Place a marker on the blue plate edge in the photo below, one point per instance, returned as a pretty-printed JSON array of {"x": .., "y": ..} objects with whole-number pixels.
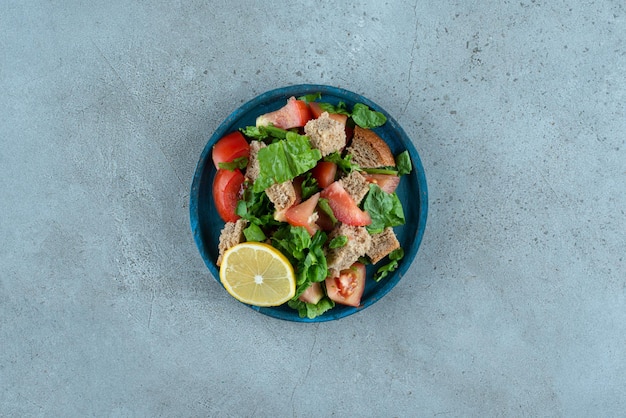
[{"x": 302, "y": 89}]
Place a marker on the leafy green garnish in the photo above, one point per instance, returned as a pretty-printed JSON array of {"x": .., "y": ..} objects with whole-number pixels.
[
  {"x": 343, "y": 163},
  {"x": 253, "y": 232},
  {"x": 385, "y": 170},
  {"x": 309, "y": 186},
  {"x": 310, "y": 97},
  {"x": 395, "y": 256},
  {"x": 262, "y": 133},
  {"x": 340, "y": 108},
  {"x": 314, "y": 267},
  {"x": 305, "y": 253},
  {"x": 292, "y": 241},
  {"x": 338, "y": 242},
  {"x": 309, "y": 310},
  {"x": 238, "y": 163},
  {"x": 403, "y": 163},
  {"x": 256, "y": 207},
  {"x": 384, "y": 208},
  {"x": 284, "y": 160},
  {"x": 325, "y": 207},
  {"x": 367, "y": 118}
]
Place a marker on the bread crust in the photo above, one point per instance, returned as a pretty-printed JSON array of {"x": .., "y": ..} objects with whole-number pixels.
[
  {"x": 359, "y": 241},
  {"x": 369, "y": 150},
  {"x": 382, "y": 244},
  {"x": 231, "y": 235}
]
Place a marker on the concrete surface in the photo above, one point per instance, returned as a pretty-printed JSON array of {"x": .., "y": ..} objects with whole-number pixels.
[{"x": 514, "y": 306}]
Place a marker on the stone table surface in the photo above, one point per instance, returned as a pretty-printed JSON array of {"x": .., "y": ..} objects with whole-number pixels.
[{"x": 515, "y": 304}]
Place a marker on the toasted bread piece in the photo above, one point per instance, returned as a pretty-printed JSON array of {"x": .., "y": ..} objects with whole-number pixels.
[
  {"x": 231, "y": 235},
  {"x": 382, "y": 244},
  {"x": 359, "y": 242},
  {"x": 253, "y": 169},
  {"x": 326, "y": 134},
  {"x": 282, "y": 195},
  {"x": 356, "y": 186},
  {"x": 369, "y": 150}
]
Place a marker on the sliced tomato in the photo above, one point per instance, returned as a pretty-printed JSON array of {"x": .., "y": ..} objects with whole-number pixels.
[
  {"x": 324, "y": 172},
  {"x": 294, "y": 114},
  {"x": 226, "y": 190},
  {"x": 348, "y": 287},
  {"x": 230, "y": 147},
  {"x": 313, "y": 294},
  {"x": 387, "y": 182},
  {"x": 300, "y": 215},
  {"x": 344, "y": 207},
  {"x": 316, "y": 112}
]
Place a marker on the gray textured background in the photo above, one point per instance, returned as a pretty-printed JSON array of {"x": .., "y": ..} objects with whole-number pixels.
[{"x": 515, "y": 304}]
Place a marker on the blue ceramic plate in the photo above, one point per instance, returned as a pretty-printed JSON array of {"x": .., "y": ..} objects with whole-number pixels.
[{"x": 206, "y": 224}]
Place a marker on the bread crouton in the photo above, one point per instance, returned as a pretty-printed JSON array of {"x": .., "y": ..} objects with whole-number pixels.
[
  {"x": 382, "y": 244},
  {"x": 326, "y": 134},
  {"x": 231, "y": 235},
  {"x": 359, "y": 241},
  {"x": 369, "y": 150},
  {"x": 253, "y": 169},
  {"x": 356, "y": 186},
  {"x": 283, "y": 196}
]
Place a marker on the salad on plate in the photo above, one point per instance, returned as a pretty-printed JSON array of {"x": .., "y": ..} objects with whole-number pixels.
[{"x": 313, "y": 185}]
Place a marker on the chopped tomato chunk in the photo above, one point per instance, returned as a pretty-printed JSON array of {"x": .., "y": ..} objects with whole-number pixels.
[
  {"x": 302, "y": 214},
  {"x": 387, "y": 182},
  {"x": 229, "y": 148},
  {"x": 344, "y": 207},
  {"x": 294, "y": 114},
  {"x": 348, "y": 287},
  {"x": 324, "y": 172},
  {"x": 226, "y": 190}
]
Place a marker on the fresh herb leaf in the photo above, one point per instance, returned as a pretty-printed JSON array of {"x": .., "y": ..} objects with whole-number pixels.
[
  {"x": 386, "y": 170},
  {"x": 384, "y": 208},
  {"x": 340, "y": 108},
  {"x": 310, "y": 97},
  {"x": 292, "y": 241},
  {"x": 309, "y": 186},
  {"x": 338, "y": 242},
  {"x": 305, "y": 253},
  {"x": 325, "y": 207},
  {"x": 367, "y": 118},
  {"x": 343, "y": 163},
  {"x": 395, "y": 256},
  {"x": 284, "y": 160},
  {"x": 238, "y": 163},
  {"x": 309, "y": 310},
  {"x": 314, "y": 267},
  {"x": 256, "y": 207},
  {"x": 262, "y": 133},
  {"x": 254, "y": 233},
  {"x": 403, "y": 162}
]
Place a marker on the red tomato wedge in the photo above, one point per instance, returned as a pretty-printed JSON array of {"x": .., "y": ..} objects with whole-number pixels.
[
  {"x": 226, "y": 188},
  {"x": 387, "y": 182},
  {"x": 312, "y": 294},
  {"x": 230, "y": 147},
  {"x": 316, "y": 112},
  {"x": 294, "y": 114},
  {"x": 343, "y": 206},
  {"x": 300, "y": 215},
  {"x": 348, "y": 287},
  {"x": 324, "y": 172}
]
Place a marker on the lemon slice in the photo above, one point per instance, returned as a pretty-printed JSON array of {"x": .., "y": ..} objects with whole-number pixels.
[{"x": 257, "y": 274}]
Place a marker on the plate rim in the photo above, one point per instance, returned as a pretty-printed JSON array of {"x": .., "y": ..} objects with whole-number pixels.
[{"x": 299, "y": 90}]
